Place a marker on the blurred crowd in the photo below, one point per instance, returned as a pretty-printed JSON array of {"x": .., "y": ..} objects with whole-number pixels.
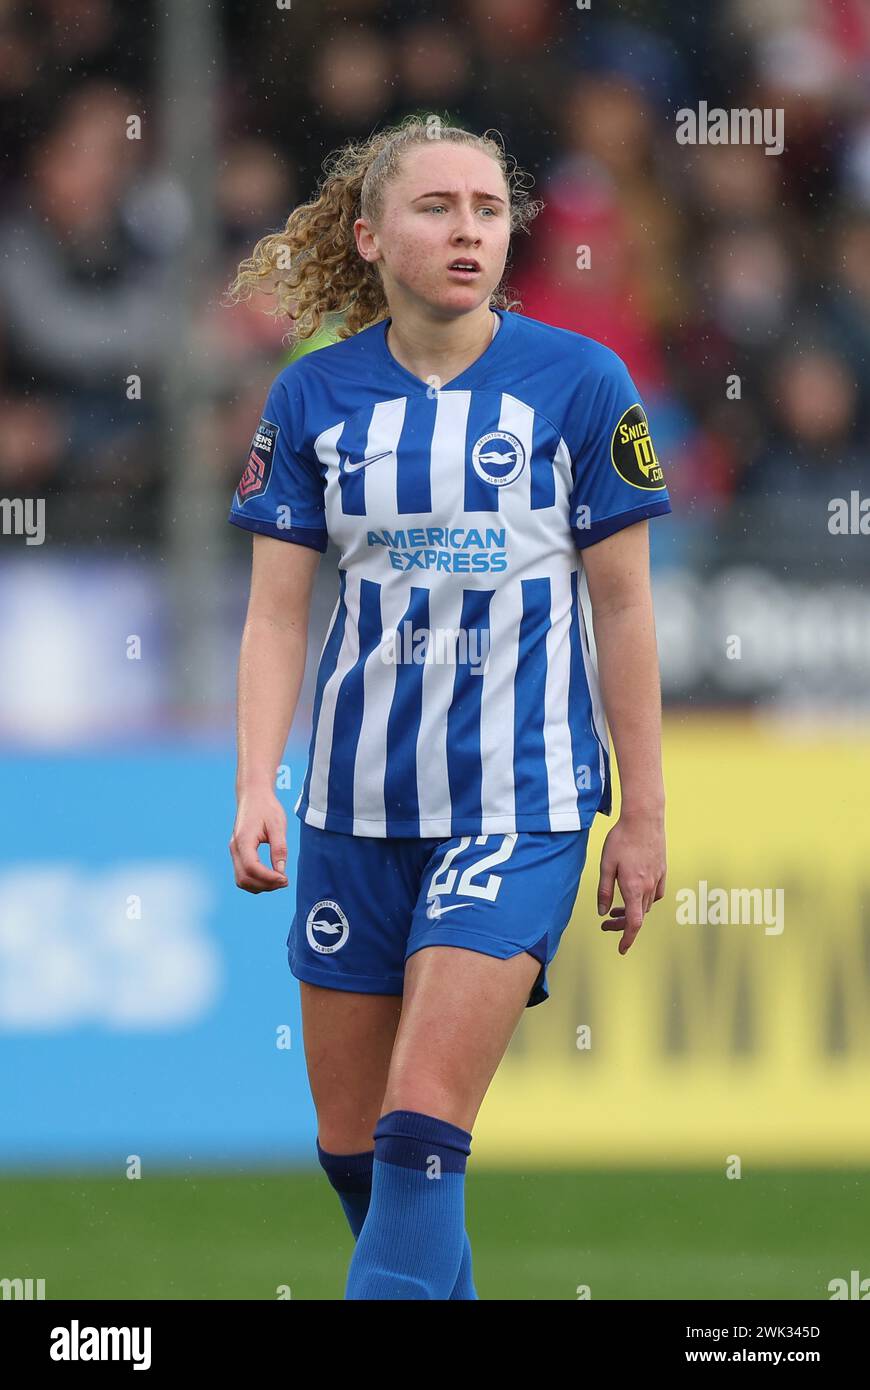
[{"x": 734, "y": 283}]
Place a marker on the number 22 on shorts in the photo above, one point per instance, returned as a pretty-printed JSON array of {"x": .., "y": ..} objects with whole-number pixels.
[{"x": 444, "y": 876}]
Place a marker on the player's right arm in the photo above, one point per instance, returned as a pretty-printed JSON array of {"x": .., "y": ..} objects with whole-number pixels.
[
  {"x": 271, "y": 667},
  {"x": 280, "y": 499}
]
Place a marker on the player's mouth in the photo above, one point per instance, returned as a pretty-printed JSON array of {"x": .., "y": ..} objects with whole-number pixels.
[{"x": 465, "y": 267}]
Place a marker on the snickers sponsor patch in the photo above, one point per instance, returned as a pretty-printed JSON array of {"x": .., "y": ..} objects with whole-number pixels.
[{"x": 633, "y": 454}]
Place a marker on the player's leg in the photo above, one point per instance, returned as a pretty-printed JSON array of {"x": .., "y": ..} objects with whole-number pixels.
[
  {"x": 350, "y": 966},
  {"x": 460, "y": 1011},
  {"x": 501, "y": 903},
  {"x": 348, "y": 1040},
  {"x": 461, "y": 1006},
  {"x": 355, "y": 898}
]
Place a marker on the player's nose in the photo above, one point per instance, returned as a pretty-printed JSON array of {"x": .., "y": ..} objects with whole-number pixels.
[{"x": 466, "y": 229}]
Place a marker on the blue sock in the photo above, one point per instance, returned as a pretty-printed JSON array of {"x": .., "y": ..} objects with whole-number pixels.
[
  {"x": 412, "y": 1241},
  {"x": 351, "y": 1176}
]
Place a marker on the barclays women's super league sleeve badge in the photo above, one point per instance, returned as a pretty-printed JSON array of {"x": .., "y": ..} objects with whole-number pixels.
[{"x": 258, "y": 469}]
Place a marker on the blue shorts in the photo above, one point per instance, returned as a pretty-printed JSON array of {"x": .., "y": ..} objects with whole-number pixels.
[{"x": 364, "y": 904}]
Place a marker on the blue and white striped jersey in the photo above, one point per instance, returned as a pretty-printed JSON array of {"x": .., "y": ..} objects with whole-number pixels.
[{"x": 455, "y": 692}]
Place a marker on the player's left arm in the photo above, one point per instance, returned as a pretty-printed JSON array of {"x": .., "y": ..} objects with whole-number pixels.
[{"x": 633, "y": 856}]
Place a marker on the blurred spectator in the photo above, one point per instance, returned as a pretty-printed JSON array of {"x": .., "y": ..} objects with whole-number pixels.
[
  {"x": 73, "y": 281},
  {"x": 704, "y": 261},
  {"x": 814, "y": 453},
  {"x": 608, "y": 120},
  {"x": 849, "y": 303},
  {"x": 80, "y": 303},
  {"x": 582, "y": 272}
]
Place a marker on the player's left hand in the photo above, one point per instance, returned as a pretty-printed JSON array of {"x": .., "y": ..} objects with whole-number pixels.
[{"x": 633, "y": 857}]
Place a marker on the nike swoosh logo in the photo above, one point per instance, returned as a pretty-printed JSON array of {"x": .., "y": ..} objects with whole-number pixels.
[
  {"x": 441, "y": 910},
  {"x": 364, "y": 463}
]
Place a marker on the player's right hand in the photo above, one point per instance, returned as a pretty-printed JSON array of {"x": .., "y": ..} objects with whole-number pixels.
[{"x": 260, "y": 820}]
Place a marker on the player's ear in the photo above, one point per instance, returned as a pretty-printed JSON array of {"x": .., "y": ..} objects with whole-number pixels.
[{"x": 366, "y": 240}]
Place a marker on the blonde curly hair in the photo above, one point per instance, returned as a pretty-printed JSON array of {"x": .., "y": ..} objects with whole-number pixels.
[{"x": 313, "y": 267}]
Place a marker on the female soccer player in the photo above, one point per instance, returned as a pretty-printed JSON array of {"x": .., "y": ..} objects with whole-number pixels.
[{"x": 469, "y": 464}]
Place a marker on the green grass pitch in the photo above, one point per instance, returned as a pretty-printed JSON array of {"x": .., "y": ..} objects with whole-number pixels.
[{"x": 534, "y": 1235}]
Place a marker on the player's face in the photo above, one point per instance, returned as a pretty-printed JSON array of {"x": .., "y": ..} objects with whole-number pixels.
[{"x": 449, "y": 203}]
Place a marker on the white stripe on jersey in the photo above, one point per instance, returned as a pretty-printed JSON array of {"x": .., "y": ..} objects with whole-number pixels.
[
  {"x": 326, "y": 449},
  {"x": 519, "y": 419},
  {"x": 557, "y": 734},
  {"x": 498, "y": 703},
  {"x": 433, "y": 787},
  {"x": 380, "y": 479},
  {"x": 379, "y": 683},
  {"x": 599, "y": 722},
  {"x": 446, "y": 472}
]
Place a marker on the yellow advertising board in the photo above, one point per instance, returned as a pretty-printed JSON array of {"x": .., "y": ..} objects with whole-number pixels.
[{"x": 739, "y": 1021}]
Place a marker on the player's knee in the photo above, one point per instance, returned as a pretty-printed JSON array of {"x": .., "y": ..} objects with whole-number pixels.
[
  {"x": 346, "y": 1141},
  {"x": 428, "y": 1097}
]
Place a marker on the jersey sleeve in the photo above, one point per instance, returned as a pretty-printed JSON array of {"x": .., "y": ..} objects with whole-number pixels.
[
  {"x": 617, "y": 476},
  {"x": 280, "y": 492}
]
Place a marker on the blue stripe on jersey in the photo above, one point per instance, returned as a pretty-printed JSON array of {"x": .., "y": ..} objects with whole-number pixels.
[
  {"x": 531, "y": 789},
  {"x": 545, "y": 442},
  {"x": 403, "y": 725},
  {"x": 327, "y": 665},
  {"x": 349, "y": 708},
  {"x": 414, "y": 484},
  {"x": 580, "y": 722},
  {"x": 464, "y": 766}
]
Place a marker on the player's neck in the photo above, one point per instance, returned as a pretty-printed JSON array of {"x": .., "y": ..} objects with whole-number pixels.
[{"x": 441, "y": 348}]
